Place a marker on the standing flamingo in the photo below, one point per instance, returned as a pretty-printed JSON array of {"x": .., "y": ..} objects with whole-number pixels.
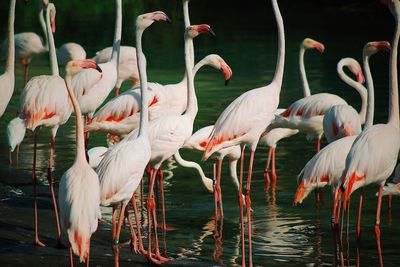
[
  {"x": 91, "y": 87},
  {"x": 79, "y": 192},
  {"x": 44, "y": 102},
  {"x": 121, "y": 169},
  {"x": 28, "y": 44},
  {"x": 7, "y": 80},
  {"x": 244, "y": 120},
  {"x": 363, "y": 167},
  {"x": 343, "y": 120}
]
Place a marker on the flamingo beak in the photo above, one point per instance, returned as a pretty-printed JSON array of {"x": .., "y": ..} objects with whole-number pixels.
[
  {"x": 226, "y": 70},
  {"x": 383, "y": 46},
  {"x": 320, "y": 48},
  {"x": 360, "y": 77},
  {"x": 300, "y": 194}
]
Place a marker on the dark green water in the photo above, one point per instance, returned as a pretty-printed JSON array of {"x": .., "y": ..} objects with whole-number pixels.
[{"x": 246, "y": 39}]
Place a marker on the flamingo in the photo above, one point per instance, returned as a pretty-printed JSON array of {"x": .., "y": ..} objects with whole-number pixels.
[
  {"x": 91, "y": 87},
  {"x": 7, "y": 80},
  {"x": 364, "y": 167},
  {"x": 121, "y": 169},
  {"x": 343, "y": 120},
  {"x": 96, "y": 154},
  {"x": 393, "y": 188},
  {"x": 128, "y": 69},
  {"x": 79, "y": 192},
  {"x": 121, "y": 114},
  {"x": 244, "y": 120},
  {"x": 28, "y": 44},
  {"x": 70, "y": 51},
  {"x": 44, "y": 102}
]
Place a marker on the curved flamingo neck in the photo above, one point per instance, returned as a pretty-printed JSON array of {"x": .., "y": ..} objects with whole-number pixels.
[
  {"x": 192, "y": 107},
  {"x": 141, "y": 61},
  {"x": 393, "y": 80},
  {"x": 191, "y": 164},
  {"x": 369, "y": 121},
  {"x": 52, "y": 49},
  {"x": 303, "y": 76},
  {"x": 43, "y": 26},
  {"x": 357, "y": 86},
  {"x": 117, "y": 34},
  {"x": 281, "y": 46},
  {"x": 11, "y": 46},
  {"x": 80, "y": 139}
]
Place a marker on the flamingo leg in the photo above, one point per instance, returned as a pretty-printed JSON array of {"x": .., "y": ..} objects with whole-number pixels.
[
  {"x": 117, "y": 91},
  {"x": 134, "y": 238},
  {"x": 215, "y": 189},
  {"x": 347, "y": 234},
  {"x": 116, "y": 238},
  {"x": 248, "y": 206},
  {"x": 377, "y": 223},
  {"x": 273, "y": 170},
  {"x": 88, "y": 256},
  {"x": 50, "y": 179},
  {"x": 26, "y": 70},
  {"x": 240, "y": 198},
  {"x": 17, "y": 156},
  {"x": 114, "y": 225},
  {"x": 71, "y": 257},
  {"x": 139, "y": 232},
  {"x": 218, "y": 188},
  {"x": 359, "y": 227},
  {"x": 333, "y": 230},
  {"x": 266, "y": 174},
  {"x": 34, "y": 181},
  {"x": 161, "y": 189},
  {"x": 318, "y": 144},
  {"x": 10, "y": 158},
  {"x": 218, "y": 242}
]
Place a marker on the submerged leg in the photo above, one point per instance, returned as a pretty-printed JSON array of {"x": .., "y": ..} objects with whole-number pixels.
[
  {"x": 266, "y": 174},
  {"x": 248, "y": 207},
  {"x": 377, "y": 223},
  {"x": 273, "y": 170},
  {"x": 139, "y": 232},
  {"x": 240, "y": 198},
  {"x": 218, "y": 188},
  {"x": 116, "y": 238}
]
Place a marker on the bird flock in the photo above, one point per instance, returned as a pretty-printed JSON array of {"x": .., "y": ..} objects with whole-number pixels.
[{"x": 149, "y": 123}]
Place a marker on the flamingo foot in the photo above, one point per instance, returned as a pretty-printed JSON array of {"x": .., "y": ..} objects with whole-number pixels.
[
  {"x": 38, "y": 243},
  {"x": 166, "y": 228}
]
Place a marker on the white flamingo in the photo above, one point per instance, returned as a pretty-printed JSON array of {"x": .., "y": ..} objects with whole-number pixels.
[{"x": 79, "y": 192}]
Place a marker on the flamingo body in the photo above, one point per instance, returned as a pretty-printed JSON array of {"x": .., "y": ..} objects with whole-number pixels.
[
  {"x": 96, "y": 154},
  {"x": 15, "y": 132}
]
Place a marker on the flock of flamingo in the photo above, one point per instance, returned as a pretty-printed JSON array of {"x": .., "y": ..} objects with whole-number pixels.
[{"x": 151, "y": 122}]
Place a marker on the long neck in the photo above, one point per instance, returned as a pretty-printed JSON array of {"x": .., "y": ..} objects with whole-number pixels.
[
  {"x": 52, "y": 51},
  {"x": 43, "y": 25},
  {"x": 117, "y": 34},
  {"x": 359, "y": 88},
  {"x": 187, "y": 24},
  {"x": 141, "y": 61},
  {"x": 281, "y": 45},
  {"x": 303, "y": 76},
  {"x": 192, "y": 108},
  {"x": 80, "y": 139},
  {"x": 369, "y": 121},
  {"x": 393, "y": 82},
  {"x": 11, "y": 47}
]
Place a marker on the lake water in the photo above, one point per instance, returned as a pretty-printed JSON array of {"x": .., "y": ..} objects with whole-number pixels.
[{"x": 246, "y": 38}]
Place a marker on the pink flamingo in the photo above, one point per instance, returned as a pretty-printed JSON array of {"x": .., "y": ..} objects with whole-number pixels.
[
  {"x": 343, "y": 120},
  {"x": 364, "y": 168},
  {"x": 91, "y": 87},
  {"x": 121, "y": 115},
  {"x": 79, "y": 192},
  {"x": 244, "y": 120},
  {"x": 45, "y": 102},
  {"x": 121, "y": 169}
]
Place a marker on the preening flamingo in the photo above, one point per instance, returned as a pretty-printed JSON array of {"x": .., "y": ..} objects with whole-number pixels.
[
  {"x": 121, "y": 114},
  {"x": 44, "y": 102},
  {"x": 343, "y": 120},
  {"x": 121, "y": 169},
  {"x": 96, "y": 154},
  {"x": 393, "y": 188},
  {"x": 70, "y": 51},
  {"x": 79, "y": 192},
  {"x": 91, "y": 87},
  {"x": 244, "y": 120},
  {"x": 364, "y": 167},
  {"x": 127, "y": 69},
  {"x": 7, "y": 80},
  {"x": 28, "y": 44}
]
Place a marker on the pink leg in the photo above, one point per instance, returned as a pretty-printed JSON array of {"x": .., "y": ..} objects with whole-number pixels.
[
  {"x": 116, "y": 238},
  {"x": 248, "y": 207},
  {"x": 114, "y": 224},
  {"x": 218, "y": 188},
  {"x": 273, "y": 170},
  {"x": 318, "y": 144},
  {"x": 35, "y": 202},
  {"x": 71, "y": 257},
  {"x": 240, "y": 198},
  {"x": 266, "y": 174},
  {"x": 117, "y": 89},
  {"x": 359, "y": 226},
  {"x": 134, "y": 238},
  {"x": 51, "y": 182},
  {"x": 377, "y": 223},
  {"x": 17, "y": 158},
  {"x": 347, "y": 234},
  {"x": 88, "y": 256},
  {"x": 26, "y": 69},
  {"x": 215, "y": 189},
  {"x": 161, "y": 189},
  {"x": 141, "y": 248}
]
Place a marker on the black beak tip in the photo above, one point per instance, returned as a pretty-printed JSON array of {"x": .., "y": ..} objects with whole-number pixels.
[
  {"x": 226, "y": 82},
  {"x": 99, "y": 69},
  {"x": 212, "y": 32},
  {"x": 169, "y": 20}
]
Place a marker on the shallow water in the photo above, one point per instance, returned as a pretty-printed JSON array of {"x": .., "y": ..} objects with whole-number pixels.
[{"x": 246, "y": 38}]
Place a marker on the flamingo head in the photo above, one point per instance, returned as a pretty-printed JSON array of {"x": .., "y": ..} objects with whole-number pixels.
[
  {"x": 74, "y": 66},
  {"x": 145, "y": 20},
  {"x": 45, "y": 3},
  {"x": 355, "y": 68},
  {"x": 194, "y": 30},
  {"x": 217, "y": 62},
  {"x": 52, "y": 15},
  {"x": 301, "y": 193},
  {"x": 309, "y": 43},
  {"x": 372, "y": 48}
]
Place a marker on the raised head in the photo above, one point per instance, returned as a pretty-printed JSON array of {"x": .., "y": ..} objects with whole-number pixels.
[
  {"x": 145, "y": 20},
  {"x": 354, "y": 67},
  {"x": 74, "y": 66},
  {"x": 372, "y": 48},
  {"x": 309, "y": 43},
  {"x": 194, "y": 30}
]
